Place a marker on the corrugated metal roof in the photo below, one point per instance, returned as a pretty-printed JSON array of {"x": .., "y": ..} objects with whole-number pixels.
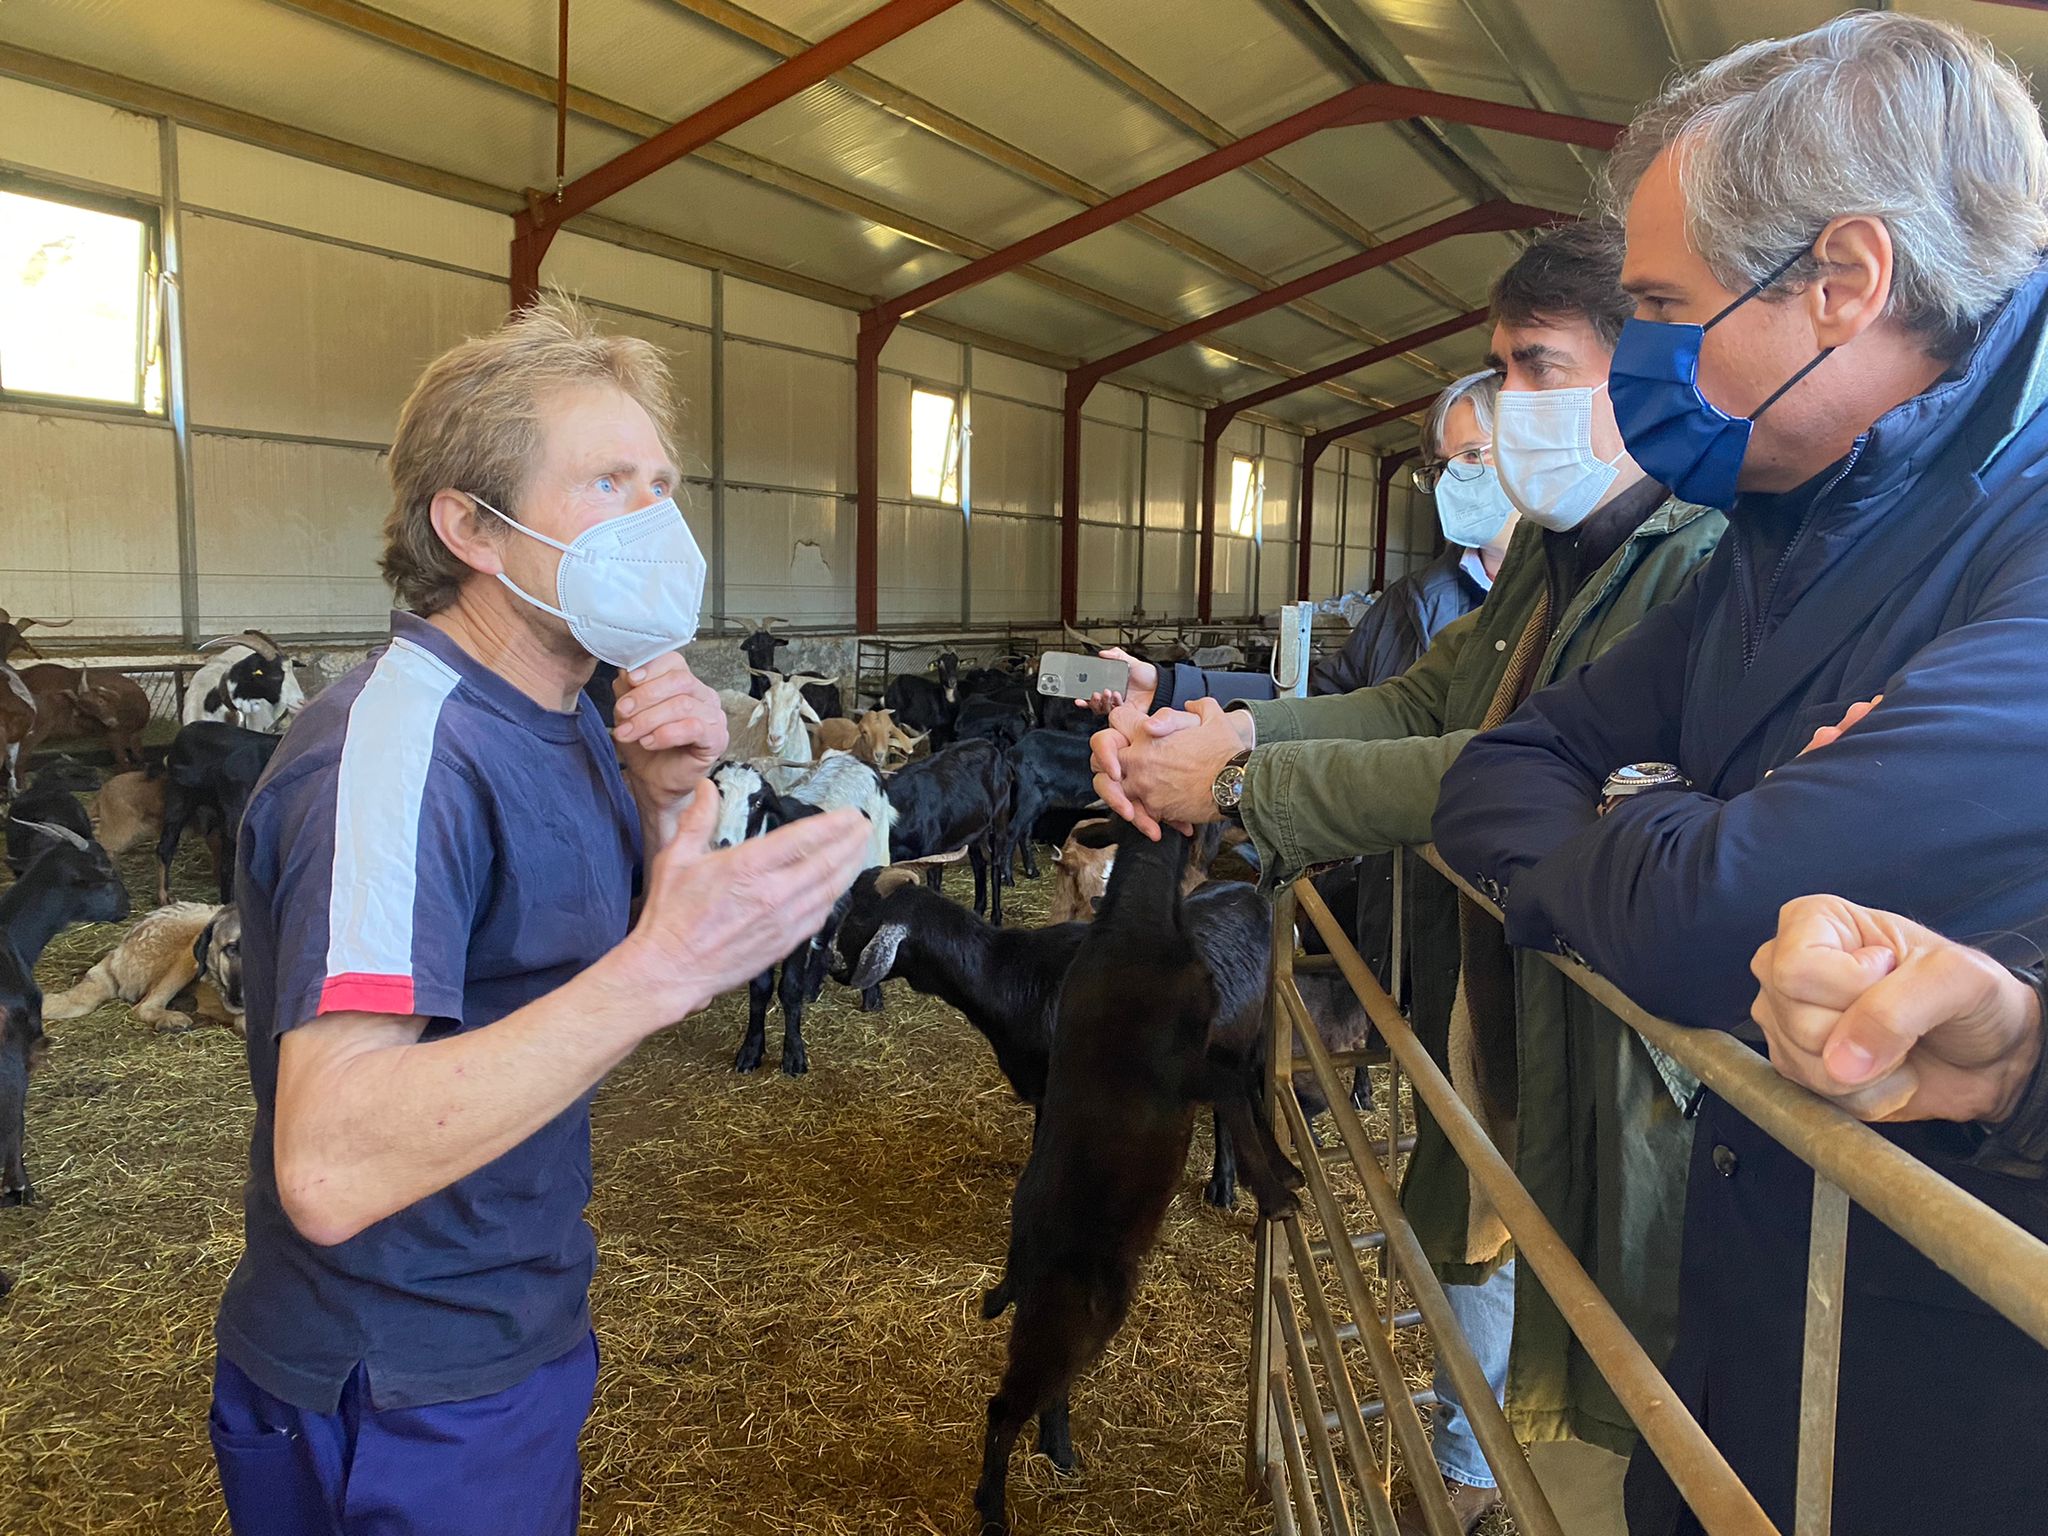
[{"x": 1014, "y": 109}]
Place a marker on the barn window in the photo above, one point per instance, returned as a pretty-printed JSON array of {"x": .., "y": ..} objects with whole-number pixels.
[
  {"x": 935, "y": 446},
  {"x": 1247, "y": 496},
  {"x": 78, "y": 301}
]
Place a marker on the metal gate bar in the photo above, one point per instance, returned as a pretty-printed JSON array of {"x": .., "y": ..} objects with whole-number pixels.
[{"x": 2003, "y": 1264}]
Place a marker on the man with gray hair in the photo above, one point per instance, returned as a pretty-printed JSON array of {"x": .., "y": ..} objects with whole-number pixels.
[{"x": 1835, "y": 248}]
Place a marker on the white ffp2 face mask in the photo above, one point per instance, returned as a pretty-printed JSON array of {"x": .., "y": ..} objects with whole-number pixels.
[
  {"x": 1472, "y": 512},
  {"x": 1543, "y": 446},
  {"x": 630, "y": 587}
]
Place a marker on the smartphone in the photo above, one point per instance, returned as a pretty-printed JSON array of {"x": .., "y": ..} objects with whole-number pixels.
[{"x": 1070, "y": 675}]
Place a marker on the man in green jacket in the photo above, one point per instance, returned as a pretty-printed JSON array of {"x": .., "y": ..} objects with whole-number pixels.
[{"x": 1570, "y": 1094}]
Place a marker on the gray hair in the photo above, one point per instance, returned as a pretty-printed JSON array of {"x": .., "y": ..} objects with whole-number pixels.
[
  {"x": 1911, "y": 120},
  {"x": 1481, "y": 388}
]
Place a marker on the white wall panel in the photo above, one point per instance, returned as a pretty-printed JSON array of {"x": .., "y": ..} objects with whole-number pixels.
[
  {"x": 1016, "y": 457},
  {"x": 768, "y": 314},
  {"x": 1000, "y": 375},
  {"x": 926, "y": 358},
  {"x": 233, "y": 177},
  {"x": 1016, "y": 569},
  {"x": 1277, "y": 563},
  {"x": 286, "y": 334},
  {"x": 789, "y": 419},
  {"x": 91, "y": 520},
  {"x": 49, "y": 130},
  {"x": 1176, "y": 420},
  {"x": 289, "y": 535},
  {"x": 1170, "y": 574},
  {"x": 789, "y": 554},
  {"x": 1109, "y": 474},
  {"x": 1173, "y": 474},
  {"x": 1112, "y": 403},
  {"x": 612, "y": 274},
  {"x": 919, "y": 575},
  {"x": 1109, "y": 572},
  {"x": 1232, "y": 578}
]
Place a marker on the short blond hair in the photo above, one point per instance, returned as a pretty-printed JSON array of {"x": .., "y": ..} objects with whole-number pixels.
[{"x": 472, "y": 423}]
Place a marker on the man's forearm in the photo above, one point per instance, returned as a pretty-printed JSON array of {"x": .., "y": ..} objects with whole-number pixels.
[{"x": 370, "y": 1122}]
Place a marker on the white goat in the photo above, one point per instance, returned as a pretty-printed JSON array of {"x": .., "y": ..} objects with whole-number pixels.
[{"x": 775, "y": 723}]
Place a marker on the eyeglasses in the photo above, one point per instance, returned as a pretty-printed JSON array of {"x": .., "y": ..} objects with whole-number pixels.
[{"x": 1467, "y": 466}]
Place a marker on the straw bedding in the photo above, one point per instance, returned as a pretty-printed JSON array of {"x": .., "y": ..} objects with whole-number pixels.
[{"x": 786, "y": 1300}]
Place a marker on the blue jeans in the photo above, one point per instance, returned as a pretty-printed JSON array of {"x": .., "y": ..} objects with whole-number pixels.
[
  {"x": 1486, "y": 1314},
  {"x": 482, "y": 1467}
]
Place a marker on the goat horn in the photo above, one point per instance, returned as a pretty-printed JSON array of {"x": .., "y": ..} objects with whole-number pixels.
[
  {"x": 264, "y": 643},
  {"x": 50, "y": 828},
  {"x": 46, "y": 623}
]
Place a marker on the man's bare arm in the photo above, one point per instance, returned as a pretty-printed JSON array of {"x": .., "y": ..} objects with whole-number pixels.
[{"x": 371, "y": 1120}]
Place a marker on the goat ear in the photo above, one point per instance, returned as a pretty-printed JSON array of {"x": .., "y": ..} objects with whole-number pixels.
[
  {"x": 17, "y": 686},
  {"x": 803, "y": 707}
]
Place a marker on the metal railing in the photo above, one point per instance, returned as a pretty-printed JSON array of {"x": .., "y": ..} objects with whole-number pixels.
[{"x": 1302, "y": 1383}]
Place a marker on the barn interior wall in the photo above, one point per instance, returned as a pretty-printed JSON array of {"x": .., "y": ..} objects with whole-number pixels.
[{"x": 309, "y": 298}]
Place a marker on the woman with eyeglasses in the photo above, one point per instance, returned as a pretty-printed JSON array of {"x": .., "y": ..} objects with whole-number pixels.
[{"x": 1457, "y": 469}]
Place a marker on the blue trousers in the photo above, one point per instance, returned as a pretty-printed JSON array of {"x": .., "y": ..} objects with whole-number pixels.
[
  {"x": 1486, "y": 1314},
  {"x": 487, "y": 1466}
]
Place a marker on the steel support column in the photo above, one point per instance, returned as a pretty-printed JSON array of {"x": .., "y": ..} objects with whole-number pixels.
[
  {"x": 867, "y": 471},
  {"x": 534, "y": 228},
  {"x": 1205, "y": 537},
  {"x": 1311, "y": 454},
  {"x": 1070, "y": 500}
]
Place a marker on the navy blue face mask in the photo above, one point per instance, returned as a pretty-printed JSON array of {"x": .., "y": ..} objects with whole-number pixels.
[{"x": 1679, "y": 437}]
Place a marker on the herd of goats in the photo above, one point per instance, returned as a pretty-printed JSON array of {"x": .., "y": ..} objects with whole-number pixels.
[{"x": 1141, "y": 1000}]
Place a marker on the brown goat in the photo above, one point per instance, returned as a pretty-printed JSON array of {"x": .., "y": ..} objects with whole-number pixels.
[
  {"x": 129, "y": 810},
  {"x": 77, "y": 701},
  {"x": 1087, "y": 857}
]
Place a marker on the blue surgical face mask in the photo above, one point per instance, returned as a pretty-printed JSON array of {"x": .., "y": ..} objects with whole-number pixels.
[
  {"x": 1472, "y": 511},
  {"x": 1679, "y": 436}
]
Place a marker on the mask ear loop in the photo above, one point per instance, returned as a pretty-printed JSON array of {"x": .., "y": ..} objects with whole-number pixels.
[
  {"x": 1769, "y": 280},
  {"x": 531, "y": 534}
]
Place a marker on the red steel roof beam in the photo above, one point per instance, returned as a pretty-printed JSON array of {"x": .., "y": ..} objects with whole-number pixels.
[
  {"x": 536, "y": 226},
  {"x": 1486, "y": 218},
  {"x": 1372, "y": 103}
]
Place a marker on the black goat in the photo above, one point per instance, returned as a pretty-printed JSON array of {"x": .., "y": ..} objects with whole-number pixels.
[
  {"x": 759, "y": 648},
  {"x": 1131, "y": 1059},
  {"x": 1051, "y": 772},
  {"x": 1057, "y": 714},
  {"x": 73, "y": 881},
  {"x": 927, "y": 704},
  {"x": 995, "y": 717},
  {"x": 49, "y": 799},
  {"x": 1006, "y": 982},
  {"x": 209, "y": 772},
  {"x": 956, "y": 798}
]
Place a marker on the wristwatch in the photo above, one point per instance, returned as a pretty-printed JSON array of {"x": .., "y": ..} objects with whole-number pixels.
[
  {"x": 1228, "y": 790},
  {"x": 1639, "y": 779}
]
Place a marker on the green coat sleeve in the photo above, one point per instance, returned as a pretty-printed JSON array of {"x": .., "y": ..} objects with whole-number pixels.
[
  {"x": 1336, "y": 777},
  {"x": 1409, "y": 705}
]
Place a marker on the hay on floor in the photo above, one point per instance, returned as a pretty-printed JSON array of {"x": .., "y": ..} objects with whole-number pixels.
[{"x": 787, "y": 1297}]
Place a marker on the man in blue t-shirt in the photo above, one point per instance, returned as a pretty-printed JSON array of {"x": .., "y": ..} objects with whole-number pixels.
[{"x": 441, "y": 959}]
